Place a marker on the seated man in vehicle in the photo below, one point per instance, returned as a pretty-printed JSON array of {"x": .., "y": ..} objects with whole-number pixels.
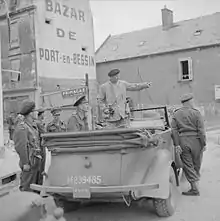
[
  {"x": 56, "y": 125},
  {"x": 78, "y": 121}
]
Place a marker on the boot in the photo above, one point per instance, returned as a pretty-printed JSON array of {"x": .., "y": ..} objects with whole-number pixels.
[{"x": 194, "y": 191}]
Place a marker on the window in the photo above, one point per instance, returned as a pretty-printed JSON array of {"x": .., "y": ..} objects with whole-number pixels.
[
  {"x": 197, "y": 32},
  {"x": 14, "y": 38},
  {"x": 15, "y": 66},
  {"x": 141, "y": 43},
  {"x": 185, "y": 69}
]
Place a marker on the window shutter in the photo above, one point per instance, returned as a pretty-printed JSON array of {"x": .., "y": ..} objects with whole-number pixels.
[
  {"x": 180, "y": 75},
  {"x": 190, "y": 69}
]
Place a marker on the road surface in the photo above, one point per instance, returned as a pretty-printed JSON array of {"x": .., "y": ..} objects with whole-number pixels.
[{"x": 203, "y": 208}]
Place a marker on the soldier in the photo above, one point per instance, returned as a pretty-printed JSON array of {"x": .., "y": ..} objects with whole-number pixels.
[
  {"x": 41, "y": 129},
  {"x": 56, "y": 125},
  {"x": 112, "y": 98},
  {"x": 40, "y": 121},
  {"x": 11, "y": 124},
  {"x": 27, "y": 145},
  {"x": 190, "y": 140},
  {"x": 78, "y": 121}
]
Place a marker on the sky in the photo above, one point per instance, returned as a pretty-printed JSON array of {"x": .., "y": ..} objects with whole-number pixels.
[{"x": 116, "y": 17}]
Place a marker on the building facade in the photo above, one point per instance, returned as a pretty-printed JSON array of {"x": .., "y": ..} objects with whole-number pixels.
[
  {"x": 47, "y": 49},
  {"x": 176, "y": 57}
]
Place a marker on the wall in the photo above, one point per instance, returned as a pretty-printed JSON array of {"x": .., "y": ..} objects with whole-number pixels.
[
  {"x": 22, "y": 51},
  {"x": 163, "y": 72},
  {"x": 18, "y": 55},
  {"x": 63, "y": 30},
  {"x": 33, "y": 39}
]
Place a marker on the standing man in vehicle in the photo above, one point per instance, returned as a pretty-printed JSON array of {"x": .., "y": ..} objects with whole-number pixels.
[
  {"x": 112, "y": 98},
  {"x": 27, "y": 145},
  {"x": 78, "y": 121},
  {"x": 56, "y": 125},
  {"x": 190, "y": 140}
]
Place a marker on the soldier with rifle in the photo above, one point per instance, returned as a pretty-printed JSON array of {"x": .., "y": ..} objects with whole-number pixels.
[
  {"x": 112, "y": 99},
  {"x": 27, "y": 145}
]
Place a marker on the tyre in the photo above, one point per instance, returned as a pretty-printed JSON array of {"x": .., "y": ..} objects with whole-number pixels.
[{"x": 167, "y": 207}]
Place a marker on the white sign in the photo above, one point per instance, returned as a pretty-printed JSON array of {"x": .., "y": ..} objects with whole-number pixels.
[
  {"x": 217, "y": 92},
  {"x": 65, "y": 39}
]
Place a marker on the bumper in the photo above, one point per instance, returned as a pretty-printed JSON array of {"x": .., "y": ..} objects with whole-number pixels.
[{"x": 96, "y": 189}]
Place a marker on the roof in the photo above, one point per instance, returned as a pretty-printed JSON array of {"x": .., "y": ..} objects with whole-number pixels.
[{"x": 198, "y": 32}]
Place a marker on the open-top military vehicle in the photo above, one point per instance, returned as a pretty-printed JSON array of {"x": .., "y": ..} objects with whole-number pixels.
[{"x": 131, "y": 164}]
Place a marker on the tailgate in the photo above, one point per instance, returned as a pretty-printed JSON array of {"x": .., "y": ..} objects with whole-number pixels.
[
  {"x": 93, "y": 157},
  {"x": 92, "y": 169}
]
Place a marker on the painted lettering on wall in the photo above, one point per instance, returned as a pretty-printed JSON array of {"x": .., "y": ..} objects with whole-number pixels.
[
  {"x": 64, "y": 10},
  {"x": 56, "y": 56},
  {"x": 62, "y": 34}
]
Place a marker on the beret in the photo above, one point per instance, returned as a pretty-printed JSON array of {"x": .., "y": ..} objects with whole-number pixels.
[
  {"x": 55, "y": 111},
  {"x": 113, "y": 72},
  {"x": 79, "y": 101},
  {"x": 186, "y": 97},
  {"x": 27, "y": 107}
]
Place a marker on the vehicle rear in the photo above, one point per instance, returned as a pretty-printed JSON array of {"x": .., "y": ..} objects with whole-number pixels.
[
  {"x": 106, "y": 165},
  {"x": 111, "y": 165}
]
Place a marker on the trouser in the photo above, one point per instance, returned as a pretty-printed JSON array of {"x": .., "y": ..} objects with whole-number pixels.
[
  {"x": 27, "y": 178},
  {"x": 41, "y": 169},
  {"x": 11, "y": 132},
  {"x": 191, "y": 157}
]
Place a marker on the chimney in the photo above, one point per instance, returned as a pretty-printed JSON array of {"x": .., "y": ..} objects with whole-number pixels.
[{"x": 167, "y": 18}]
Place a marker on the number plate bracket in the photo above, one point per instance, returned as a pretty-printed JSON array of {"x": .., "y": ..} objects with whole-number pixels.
[{"x": 81, "y": 191}]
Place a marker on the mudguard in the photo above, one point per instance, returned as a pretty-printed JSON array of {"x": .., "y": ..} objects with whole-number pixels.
[{"x": 158, "y": 173}]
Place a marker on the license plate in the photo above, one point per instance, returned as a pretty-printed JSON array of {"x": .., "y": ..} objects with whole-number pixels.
[
  {"x": 81, "y": 191},
  {"x": 89, "y": 180}
]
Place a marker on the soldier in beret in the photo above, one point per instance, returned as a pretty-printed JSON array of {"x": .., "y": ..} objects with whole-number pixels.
[
  {"x": 190, "y": 140},
  {"x": 27, "y": 145},
  {"x": 78, "y": 120},
  {"x": 56, "y": 125},
  {"x": 112, "y": 98}
]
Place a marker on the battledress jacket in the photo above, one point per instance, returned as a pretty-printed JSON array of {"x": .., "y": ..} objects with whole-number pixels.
[
  {"x": 188, "y": 121},
  {"x": 27, "y": 143}
]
